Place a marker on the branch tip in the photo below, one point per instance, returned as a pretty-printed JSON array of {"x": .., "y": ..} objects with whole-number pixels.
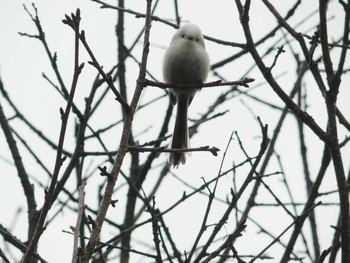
[
  {"x": 82, "y": 34},
  {"x": 81, "y": 66},
  {"x": 113, "y": 202},
  {"x": 90, "y": 221},
  {"x": 214, "y": 151},
  {"x": 62, "y": 112},
  {"x": 103, "y": 172},
  {"x": 77, "y": 13},
  {"x": 63, "y": 159}
]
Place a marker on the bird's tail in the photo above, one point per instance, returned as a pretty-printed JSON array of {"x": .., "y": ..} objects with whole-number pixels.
[{"x": 180, "y": 139}]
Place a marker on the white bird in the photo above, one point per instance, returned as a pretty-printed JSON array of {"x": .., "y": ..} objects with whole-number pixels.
[{"x": 185, "y": 62}]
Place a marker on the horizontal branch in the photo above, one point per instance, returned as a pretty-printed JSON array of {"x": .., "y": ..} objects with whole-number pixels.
[
  {"x": 244, "y": 82},
  {"x": 213, "y": 150}
]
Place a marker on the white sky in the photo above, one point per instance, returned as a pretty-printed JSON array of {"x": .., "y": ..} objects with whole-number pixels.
[{"x": 22, "y": 62}]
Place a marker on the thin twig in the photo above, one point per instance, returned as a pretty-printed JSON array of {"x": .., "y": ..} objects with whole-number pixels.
[
  {"x": 95, "y": 63},
  {"x": 8, "y": 237},
  {"x": 229, "y": 241},
  {"x": 3, "y": 256},
  {"x": 21, "y": 170},
  {"x": 78, "y": 222},
  {"x": 59, "y": 159},
  {"x": 123, "y": 147},
  {"x": 303, "y": 215}
]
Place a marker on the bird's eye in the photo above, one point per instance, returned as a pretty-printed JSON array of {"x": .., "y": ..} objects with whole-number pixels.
[
  {"x": 197, "y": 39},
  {"x": 183, "y": 36}
]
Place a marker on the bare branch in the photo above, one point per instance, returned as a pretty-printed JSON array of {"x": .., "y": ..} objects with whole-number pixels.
[
  {"x": 21, "y": 170},
  {"x": 78, "y": 222},
  {"x": 59, "y": 159},
  {"x": 218, "y": 83},
  {"x": 123, "y": 148}
]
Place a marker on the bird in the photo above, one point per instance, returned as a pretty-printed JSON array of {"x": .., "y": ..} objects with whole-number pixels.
[{"x": 186, "y": 62}]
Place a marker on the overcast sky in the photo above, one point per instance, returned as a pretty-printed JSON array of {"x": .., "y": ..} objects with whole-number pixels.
[{"x": 23, "y": 60}]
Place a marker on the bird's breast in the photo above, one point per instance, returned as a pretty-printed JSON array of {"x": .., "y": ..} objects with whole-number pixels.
[{"x": 186, "y": 64}]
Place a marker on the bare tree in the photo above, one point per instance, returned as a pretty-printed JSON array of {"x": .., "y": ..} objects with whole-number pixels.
[{"x": 126, "y": 214}]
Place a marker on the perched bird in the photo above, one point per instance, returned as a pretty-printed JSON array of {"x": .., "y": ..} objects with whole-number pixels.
[{"x": 186, "y": 62}]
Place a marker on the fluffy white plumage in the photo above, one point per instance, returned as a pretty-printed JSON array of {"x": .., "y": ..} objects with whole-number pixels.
[{"x": 185, "y": 62}]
